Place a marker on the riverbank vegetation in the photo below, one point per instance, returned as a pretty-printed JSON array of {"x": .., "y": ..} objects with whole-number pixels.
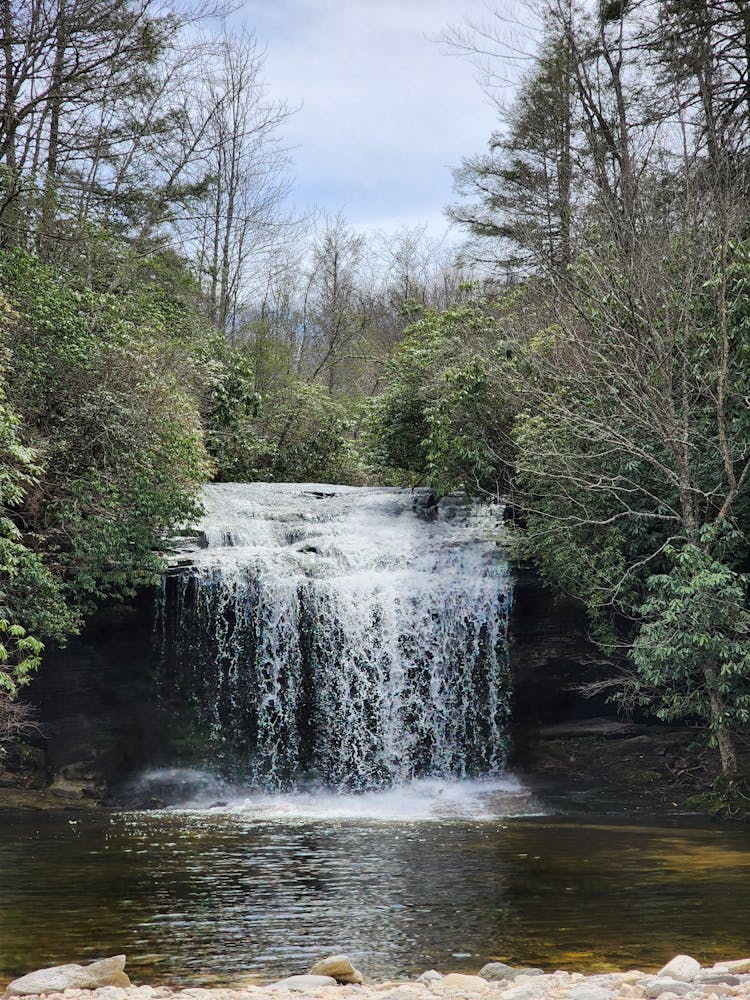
[
  {"x": 166, "y": 320},
  {"x": 616, "y": 356}
]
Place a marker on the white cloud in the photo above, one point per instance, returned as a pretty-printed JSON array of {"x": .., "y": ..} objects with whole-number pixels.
[{"x": 386, "y": 112}]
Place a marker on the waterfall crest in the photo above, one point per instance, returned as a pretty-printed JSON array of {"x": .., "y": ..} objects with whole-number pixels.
[{"x": 351, "y": 635}]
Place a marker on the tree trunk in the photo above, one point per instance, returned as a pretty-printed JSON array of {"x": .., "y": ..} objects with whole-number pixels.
[
  {"x": 724, "y": 738},
  {"x": 49, "y": 202},
  {"x": 9, "y": 235}
]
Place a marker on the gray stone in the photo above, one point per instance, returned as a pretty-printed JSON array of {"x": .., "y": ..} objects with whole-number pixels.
[
  {"x": 530, "y": 972},
  {"x": 526, "y": 991},
  {"x": 738, "y": 966},
  {"x": 58, "y": 978},
  {"x": 589, "y": 991},
  {"x": 430, "y": 976},
  {"x": 717, "y": 976},
  {"x": 655, "y": 987},
  {"x": 682, "y": 967},
  {"x": 302, "y": 984},
  {"x": 495, "y": 971},
  {"x": 460, "y": 981},
  {"x": 402, "y": 993},
  {"x": 109, "y": 993},
  {"x": 339, "y": 968}
]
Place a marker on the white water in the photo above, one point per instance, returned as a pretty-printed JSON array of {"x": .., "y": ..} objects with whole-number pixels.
[
  {"x": 330, "y": 631},
  {"x": 423, "y": 799}
]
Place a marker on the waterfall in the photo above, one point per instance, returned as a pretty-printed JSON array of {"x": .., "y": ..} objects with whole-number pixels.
[{"x": 353, "y": 636}]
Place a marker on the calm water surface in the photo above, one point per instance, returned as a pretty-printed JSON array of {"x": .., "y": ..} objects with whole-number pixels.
[{"x": 207, "y": 896}]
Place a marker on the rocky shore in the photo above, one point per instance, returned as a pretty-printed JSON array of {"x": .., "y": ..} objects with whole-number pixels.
[{"x": 335, "y": 978}]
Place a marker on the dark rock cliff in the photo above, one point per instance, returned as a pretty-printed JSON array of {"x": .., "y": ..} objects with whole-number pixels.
[
  {"x": 96, "y": 702},
  {"x": 551, "y": 655},
  {"x": 100, "y": 717}
]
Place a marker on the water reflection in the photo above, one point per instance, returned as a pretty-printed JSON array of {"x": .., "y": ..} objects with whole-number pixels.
[{"x": 207, "y": 897}]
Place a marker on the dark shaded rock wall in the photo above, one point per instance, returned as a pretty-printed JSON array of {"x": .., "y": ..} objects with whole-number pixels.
[
  {"x": 101, "y": 720},
  {"x": 97, "y": 701},
  {"x": 551, "y": 655}
]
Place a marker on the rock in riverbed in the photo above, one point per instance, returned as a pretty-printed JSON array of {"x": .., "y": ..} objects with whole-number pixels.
[
  {"x": 303, "y": 984},
  {"x": 459, "y": 981},
  {"x": 106, "y": 972},
  {"x": 586, "y": 991},
  {"x": 682, "y": 967},
  {"x": 496, "y": 971},
  {"x": 738, "y": 967},
  {"x": 100, "y": 981},
  {"x": 662, "y": 984},
  {"x": 431, "y": 976},
  {"x": 338, "y": 967}
]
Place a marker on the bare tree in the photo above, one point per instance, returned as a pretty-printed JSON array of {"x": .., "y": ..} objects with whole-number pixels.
[{"x": 242, "y": 221}]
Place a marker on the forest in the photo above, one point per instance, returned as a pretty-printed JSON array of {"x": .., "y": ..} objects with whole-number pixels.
[{"x": 583, "y": 351}]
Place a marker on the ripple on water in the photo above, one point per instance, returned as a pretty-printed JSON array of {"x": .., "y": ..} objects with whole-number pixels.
[{"x": 208, "y": 895}]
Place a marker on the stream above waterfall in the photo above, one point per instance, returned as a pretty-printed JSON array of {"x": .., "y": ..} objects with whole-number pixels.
[{"x": 352, "y": 636}]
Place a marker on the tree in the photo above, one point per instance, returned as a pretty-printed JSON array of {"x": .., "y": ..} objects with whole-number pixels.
[
  {"x": 692, "y": 650},
  {"x": 334, "y": 319},
  {"x": 633, "y": 443},
  {"x": 117, "y": 443},
  {"x": 32, "y": 608},
  {"x": 523, "y": 190},
  {"x": 440, "y": 421},
  {"x": 239, "y": 232},
  {"x": 61, "y": 60},
  {"x": 291, "y": 431}
]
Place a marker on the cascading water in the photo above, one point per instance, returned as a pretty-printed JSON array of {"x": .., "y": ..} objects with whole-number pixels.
[{"x": 349, "y": 635}]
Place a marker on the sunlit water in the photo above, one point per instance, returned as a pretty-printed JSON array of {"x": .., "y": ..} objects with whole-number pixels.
[{"x": 265, "y": 885}]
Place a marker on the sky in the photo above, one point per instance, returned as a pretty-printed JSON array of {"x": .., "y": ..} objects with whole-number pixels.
[{"x": 386, "y": 111}]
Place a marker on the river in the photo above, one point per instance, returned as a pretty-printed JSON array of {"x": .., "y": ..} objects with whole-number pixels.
[{"x": 267, "y": 885}]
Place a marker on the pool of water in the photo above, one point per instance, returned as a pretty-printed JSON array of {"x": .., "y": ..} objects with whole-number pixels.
[{"x": 437, "y": 876}]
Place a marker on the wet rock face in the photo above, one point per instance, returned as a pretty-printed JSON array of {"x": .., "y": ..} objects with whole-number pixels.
[
  {"x": 549, "y": 653},
  {"x": 96, "y": 702},
  {"x": 425, "y": 505},
  {"x": 100, "y": 714}
]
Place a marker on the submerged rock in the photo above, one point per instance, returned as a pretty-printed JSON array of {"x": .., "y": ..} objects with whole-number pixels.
[
  {"x": 713, "y": 976},
  {"x": 338, "y": 967},
  {"x": 58, "y": 978}
]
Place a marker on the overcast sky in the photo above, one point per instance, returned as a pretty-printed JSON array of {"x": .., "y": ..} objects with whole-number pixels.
[{"x": 386, "y": 112}]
